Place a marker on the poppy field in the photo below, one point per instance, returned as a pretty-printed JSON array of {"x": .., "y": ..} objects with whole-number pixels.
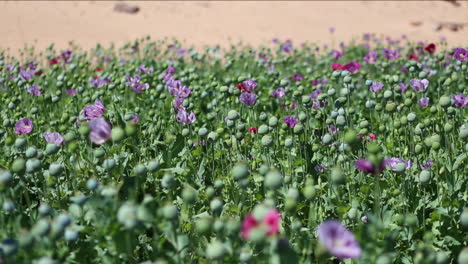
[{"x": 155, "y": 152}]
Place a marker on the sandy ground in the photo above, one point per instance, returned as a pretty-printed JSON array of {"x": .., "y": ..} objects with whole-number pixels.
[{"x": 40, "y": 23}]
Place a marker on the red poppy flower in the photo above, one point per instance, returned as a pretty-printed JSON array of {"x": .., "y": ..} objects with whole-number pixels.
[
  {"x": 38, "y": 73},
  {"x": 252, "y": 130},
  {"x": 95, "y": 77},
  {"x": 336, "y": 66},
  {"x": 99, "y": 69},
  {"x": 242, "y": 88},
  {"x": 53, "y": 61},
  {"x": 431, "y": 48},
  {"x": 413, "y": 57}
]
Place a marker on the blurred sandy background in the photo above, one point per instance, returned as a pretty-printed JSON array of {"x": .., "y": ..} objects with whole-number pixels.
[{"x": 215, "y": 22}]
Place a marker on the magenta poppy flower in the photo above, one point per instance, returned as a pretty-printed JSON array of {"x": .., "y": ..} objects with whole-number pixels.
[
  {"x": 100, "y": 131},
  {"x": 34, "y": 90},
  {"x": 278, "y": 93},
  {"x": 365, "y": 166},
  {"x": 391, "y": 54},
  {"x": 371, "y": 57},
  {"x": 376, "y": 87},
  {"x": 352, "y": 67},
  {"x": 297, "y": 77},
  {"x": 291, "y": 121},
  {"x": 337, "y": 66},
  {"x": 419, "y": 85},
  {"x": 135, "y": 119},
  {"x": 270, "y": 223},
  {"x": 460, "y": 100},
  {"x": 71, "y": 92},
  {"x": 424, "y": 102},
  {"x": 460, "y": 54},
  {"x": 93, "y": 111},
  {"x": 53, "y": 137},
  {"x": 338, "y": 240},
  {"x": 248, "y": 99},
  {"x": 185, "y": 118},
  {"x": 24, "y": 126}
]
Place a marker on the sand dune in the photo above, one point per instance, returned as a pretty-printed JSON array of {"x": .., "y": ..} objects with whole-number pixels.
[{"x": 217, "y": 22}]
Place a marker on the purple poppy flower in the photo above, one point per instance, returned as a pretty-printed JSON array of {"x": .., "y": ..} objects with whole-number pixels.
[
  {"x": 67, "y": 56},
  {"x": 291, "y": 121},
  {"x": 376, "y": 87},
  {"x": 275, "y": 40},
  {"x": 391, "y": 54},
  {"x": 142, "y": 69},
  {"x": 93, "y": 111},
  {"x": 10, "y": 67},
  {"x": 460, "y": 54},
  {"x": 364, "y": 166},
  {"x": 135, "y": 84},
  {"x": 315, "y": 82},
  {"x": 287, "y": 46},
  {"x": 314, "y": 95},
  {"x": 249, "y": 85},
  {"x": 71, "y": 92},
  {"x": 53, "y": 137},
  {"x": 248, "y": 99},
  {"x": 297, "y": 77},
  {"x": 331, "y": 29},
  {"x": 336, "y": 54},
  {"x": 169, "y": 74},
  {"x": 25, "y": 74},
  {"x": 98, "y": 82},
  {"x": 100, "y": 131},
  {"x": 24, "y": 126},
  {"x": 34, "y": 90},
  {"x": 178, "y": 104},
  {"x": 185, "y": 118},
  {"x": 371, "y": 57},
  {"x": 338, "y": 240},
  {"x": 424, "y": 102},
  {"x": 181, "y": 52},
  {"x": 419, "y": 85},
  {"x": 278, "y": 93},
  {"x": 176, "y": 88},
  {"x": 391, "y": 163},
  {"x": 427, "y": 165},
  {"x": 404, "y": 69},
  {"x": 317, "y": 104},
  {"x": 320, "y": 168},
  {"x": 460, "y": 100},
  {"x": 332, "y": 129},
  {"x": 135, "y": 119},
  {"x": 403, "y": 87}
]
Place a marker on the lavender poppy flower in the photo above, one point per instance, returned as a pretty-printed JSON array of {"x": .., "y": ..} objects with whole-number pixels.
[
  {"x": 320, "y": 168},
  {"x": 336, "y": 54},
  {"x": 135, "y": 119},
  {"x": 332, "y": 129},
  {"x": 10, "y": 67},
  {"x": 427, "y": 165},
  {"x": 93, "y": 111},
  {"x": 142, "y": 68},
  {"x": 71, "y": 92},
  {"x": 424, "y": 102},
  {"x": 338, "y": 240},
  {"x": 297, "y": 77},
  {"x": 419, "y": 85},
  {"x": 392, "y": 163},
  {"x": 287, "y": 46},
  {"x": 67, "y": 56},
  {"x": 460, "y": 54},
  {"x": 178, "y": 104},
  {"x": 291, "y": 121},
  {"x": 100, "y": 131},
  {"x": 376, "y": 87},
  {"x": 278, "y": 93},
  {"x": 24, "y": 126},
  {"x": 403, "y": 87},
  {"x": 460, "y": 100},
  {"x": 364, "y": 166},
  {"x": 98, "y": 82},
  {"x": 317, "y": 104},
  {"x": 181, "y": 52},
  {"x": 391, "y": 54},
  {"x": 185, "y": 118},
  {"x": 248, "y": 99},
  {"x": 34, "y": 90},
  {"x": 176, "y": 88},
  {"x": 314, "y": 95},
  {"x": 26, "y": 75},
  {"x": 53, "y": 137},
  {"x": 404, "y": 69},
  {"x": 371, "y": 57},
  {"x": 135, "y": 84},
  {"x": 331, "y": 29},
  {"x": 249, "y": 85}
]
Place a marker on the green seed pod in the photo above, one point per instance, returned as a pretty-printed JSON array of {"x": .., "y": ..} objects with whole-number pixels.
[
  {"x": 463, "y": 134},
  {"x": 41, "y": 228},
  {"x": 216, "y": 206},
  {"x": 273, "y": 179},
  {"x": 390, "y": 107},
  {"x": 306, "y": 99},
  {"x": 55, "y": 169},
  {"x": 233, "y": 115},
  {"x": 108, "y": 164},
  {"x": 117, "y": 134},
  {"x": 215, "y": 250},
  {"x": 140, "y": 169},
  {"x": 384, "y": 259},
  {"x": 309, "y": 192},
  {"x": 442, "y": 257},
  {"x": 445, "y": 101},
  {"x": 31, "y": 152},
  {"x": 203, "y": 225},
  {"x": 127, "y": 215},
  {"x": 435, "y": 145},
  {"x": 387, "y": 94},
  {"x": 288, "y": 142},
  {"x": 373, "y": 148},
  {"x": 464, "y": 219},
  {"x": 99, "y": 152},
  {"x": 350, "y": 137},
  {"x": 202, "y": 132},
  {"x": 408, "y": 102},
  {"x": 170, "y": 212},
  {"x": 340, "y": 120},
  {"x": 263, "y": 129},
  {"x": 168, "y": 181},
  {"x": 20, "y": 143},
  {"x": 240, "y": 171},
  {"x": 337, "y": 176},
  {"x": 263, "y": 116},
  {"x": 51, "y": 149},
  {"x": 267, "y": 140},
  {"x": 347, "y": 79},
  {"x": 19, "y": 165},
  {"x": 130, "y": 130},
  {"x": 189, "y": 194},
  {"x": 463, "y": 256},
  {"x": 273, "y": 121},
  {"x": 84, "y": 130},
  {"x": 378, "y": 107},
  {"x": 352, "y": 213},
  {"x": 33, "y": 165},
  {"x": 327, "y": 139},
  {"x": 411, "y": 220},
  {"x": 298, "y": 129}
]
